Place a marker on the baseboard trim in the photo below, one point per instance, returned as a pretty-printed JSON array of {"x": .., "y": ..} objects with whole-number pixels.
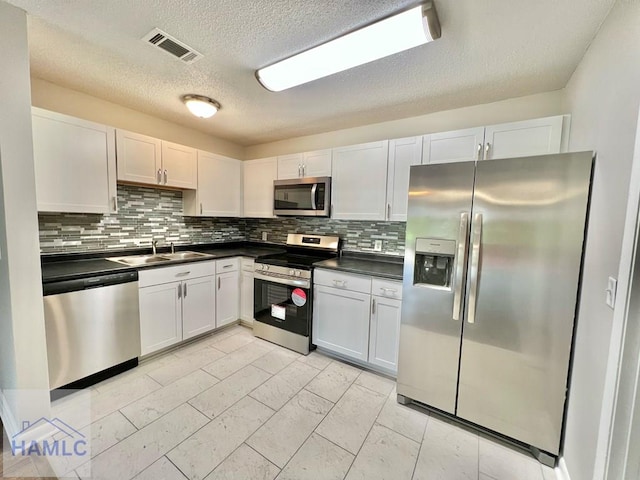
[{"x": 562, "y": 473}]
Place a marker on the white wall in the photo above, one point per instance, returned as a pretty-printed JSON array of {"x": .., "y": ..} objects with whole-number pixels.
[
  {"x": 53, "y": 97},
  {"x": 23, "y": 353},
  {"x": 603, "y": 97},
  {"x": 514, "y": 109}
]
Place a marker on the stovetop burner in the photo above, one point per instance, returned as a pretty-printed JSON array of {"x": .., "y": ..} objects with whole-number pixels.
[
  {"x": 304, "y": 262},
  {"x": 303, "y": 251}
]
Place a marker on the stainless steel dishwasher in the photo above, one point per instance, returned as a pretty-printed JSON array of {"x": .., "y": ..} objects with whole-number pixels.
[{"x": 92, "y": 325}]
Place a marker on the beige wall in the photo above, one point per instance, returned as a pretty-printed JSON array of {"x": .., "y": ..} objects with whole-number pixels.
[
  {"x": 514, "y": 109},
  {"x": 71, "y": 102},
  {"x": 24, "y": 378},
  {"x": 603, "y": 97}
]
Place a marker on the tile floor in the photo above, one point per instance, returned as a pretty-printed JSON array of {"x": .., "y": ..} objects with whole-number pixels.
[{"x": 231, "y": 406}]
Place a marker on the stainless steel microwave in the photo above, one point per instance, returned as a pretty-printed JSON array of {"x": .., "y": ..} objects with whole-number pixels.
[{"x": 310, "y": 197}]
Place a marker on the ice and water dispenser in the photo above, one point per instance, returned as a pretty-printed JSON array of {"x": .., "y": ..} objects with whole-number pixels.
[{"x": 434, "y": 262}]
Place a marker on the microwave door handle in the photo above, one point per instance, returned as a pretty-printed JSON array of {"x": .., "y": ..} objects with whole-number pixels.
[{"x": 313, "y": 196}]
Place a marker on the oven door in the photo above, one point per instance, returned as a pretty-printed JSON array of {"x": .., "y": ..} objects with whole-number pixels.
[
  {"x": 282, "y": 305},
  {"x": 302, "y": 196}
]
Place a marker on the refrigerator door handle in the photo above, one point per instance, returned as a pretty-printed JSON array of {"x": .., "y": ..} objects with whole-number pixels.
[
  {"x": 461, "y": 260},
  {"x": 475, "y": 266}
]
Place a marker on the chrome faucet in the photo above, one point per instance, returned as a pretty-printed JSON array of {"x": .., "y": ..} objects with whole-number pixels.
[
  {"x": 153, "y": 246},
  {"x": 172, "y": 249}
]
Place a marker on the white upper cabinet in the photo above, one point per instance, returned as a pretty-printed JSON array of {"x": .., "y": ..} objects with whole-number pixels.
[
  {"x": 307, "y": 164},
  {"x": 219, "y": 192},
  {"x": 403, "y": 153},
  {"x": 139, "y": 158},
  {"x": 521, "y": 139},
  {"x": 359, "y": 181},
  {"x": 458, "y": 146},
  {"x": 258, "y": 187},
  {"x": 517, "y": 139},
  {"x": 143, "y": 159},
  {"x": 74, "y": 164},
  {"x": 179, "y": 165}
]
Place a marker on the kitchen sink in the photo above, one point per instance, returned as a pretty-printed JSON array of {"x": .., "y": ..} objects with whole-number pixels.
[
  {"x": 141, "y": 260},
  {"x": 185, "y": 255}
]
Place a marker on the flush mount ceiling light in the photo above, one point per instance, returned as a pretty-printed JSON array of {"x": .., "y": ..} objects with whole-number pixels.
[
  {"x": 394, "y": 34},
  {"x": 200, "y": 106}
]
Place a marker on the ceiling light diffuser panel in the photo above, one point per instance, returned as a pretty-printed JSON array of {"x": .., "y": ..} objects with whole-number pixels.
[{"x": 394, "y": 34}]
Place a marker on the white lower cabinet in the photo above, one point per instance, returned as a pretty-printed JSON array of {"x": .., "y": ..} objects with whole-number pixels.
[
  {"x": 198, "y": 306},
  {"x": 349, "y": 321},
  {"x": 341, "y": 321},
  {"x": 384, "y": 332},
  {"x": 160, "y": 317},
  {"x": 227, "y": 291},
  {"x": 176, "y": 303},
  {"x": 246, "y": 290}
]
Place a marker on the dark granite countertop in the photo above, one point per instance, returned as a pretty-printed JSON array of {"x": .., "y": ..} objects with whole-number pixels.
[
  {"x": 387, "y": 266},
  {"x": 57, "y": 267}
]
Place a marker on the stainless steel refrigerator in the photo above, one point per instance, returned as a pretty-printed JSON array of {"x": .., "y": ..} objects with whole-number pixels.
[{"x": 491, "y": 275}]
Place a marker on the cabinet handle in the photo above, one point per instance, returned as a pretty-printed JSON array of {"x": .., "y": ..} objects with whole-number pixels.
[
  {"x": 299, "y": 170},
  {"x": 386, "y": 290},
  {"x": 165, "y": 177},
  {"x": 487, "y": 147},
  {"x": 373, "y": 306},
  {"x": 479, "y": 152},
  {"x": 200, "y": 208},
  {"x": 182, "y": 274},
  {"x": 340, "y": 283},
  {"x": 184, "y": 290},
  {"x": 115, "y": 203},
  {"x": 304, "y": 170},
  {"x": 228, "y": 266},
  {"x": 179, "y": 290},
  {"x": 218, "y": 283},
  {"x": 388, "y": 211},
  {"x": 159, "y": 175}
]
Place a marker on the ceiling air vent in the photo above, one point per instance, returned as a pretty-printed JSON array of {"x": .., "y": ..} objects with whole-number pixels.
[{"x": 171, "y": 45}]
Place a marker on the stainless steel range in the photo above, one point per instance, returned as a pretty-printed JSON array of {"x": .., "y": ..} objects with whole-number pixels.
[{"x": 283, "y": 290}]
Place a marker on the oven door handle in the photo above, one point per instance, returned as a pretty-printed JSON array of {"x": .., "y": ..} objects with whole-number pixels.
[
  {"x": 313, "y": 196},
  {"x": 303, "y": 283}
]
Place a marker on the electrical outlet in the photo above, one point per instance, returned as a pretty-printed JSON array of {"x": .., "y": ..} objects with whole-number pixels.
[
  {"x": 612, "y": 285},
  {"x": 377, "y": 246},
  {"x": 264, "y": 236}
]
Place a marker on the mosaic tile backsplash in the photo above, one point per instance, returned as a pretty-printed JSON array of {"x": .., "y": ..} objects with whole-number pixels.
[{"x": 146, "y": 214}]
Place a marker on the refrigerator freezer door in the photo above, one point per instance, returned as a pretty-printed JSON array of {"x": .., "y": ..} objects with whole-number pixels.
[
  {"x": 515, "y": 356},
  {"x": 439, "y": 206}
]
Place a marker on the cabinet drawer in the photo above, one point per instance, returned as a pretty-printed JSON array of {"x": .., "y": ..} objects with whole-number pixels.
[
  {"x": 184, "y": 271},
  {"x": 386, "y": 288},
  {"x": 247, "y": 264},
  {"x": 228, "y": 265},
  {"x": 345, "y": 281}
]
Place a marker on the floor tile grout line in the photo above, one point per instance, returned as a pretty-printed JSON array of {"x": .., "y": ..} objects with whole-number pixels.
[
  {"x": 177, "y": 467},
  {"x": 424, "y": 433},
  {"x": 245, "y": 443}
]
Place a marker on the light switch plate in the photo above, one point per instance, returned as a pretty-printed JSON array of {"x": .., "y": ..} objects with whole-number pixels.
[
  {"x": 264, "y": 236},
  {"x": 377, "y": 245},
  {"x": 612, "y": 285}
]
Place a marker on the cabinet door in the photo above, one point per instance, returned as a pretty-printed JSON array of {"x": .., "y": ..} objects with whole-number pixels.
[
  {"x": 246, "y": 296},
  {"x": 457, "y": 146},
  {"x": 160, "y": 317},
  {"x": 198, "y": 306},
  {"x": 72, "y": 159},
  {"x": 258, "y": 187},
  {"x": 219, "y": 185},
  {"x": 179, "y": 166},
  {"x": 522, "y": 139},
  {"x": 384, "y": 332},
  {"x": 290, "y": 166},
  {"x": 360, "y": 181},
  {"x": 227, "y": 298},
  {"x": 317, "y": 163},
  {"x": 403, "y": 153},
  {"x": 341, "y": 321},
  {"x": 138, "y": 157}
]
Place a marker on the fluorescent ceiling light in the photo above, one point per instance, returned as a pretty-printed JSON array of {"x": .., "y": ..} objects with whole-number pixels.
[
  {"x": 200, "y": 106},
  {"x": 402, "y": 31}
]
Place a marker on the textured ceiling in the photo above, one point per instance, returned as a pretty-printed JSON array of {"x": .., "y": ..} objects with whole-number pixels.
[{"x": 489, "y": 50}]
